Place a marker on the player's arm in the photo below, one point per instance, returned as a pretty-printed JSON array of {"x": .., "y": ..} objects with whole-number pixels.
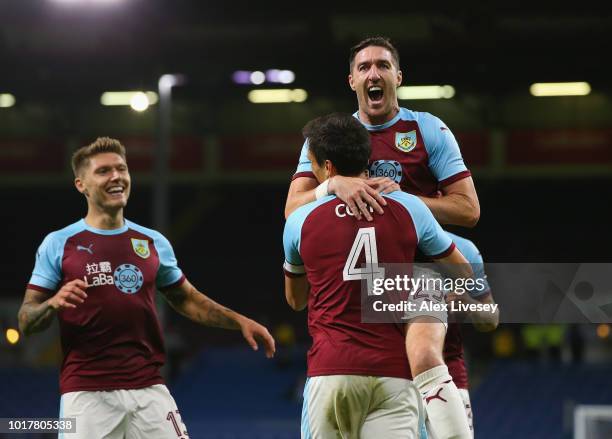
[
  {"x": 455, "y": 263},
  {"x": 296, "y": 291},
  {"x": 459, "y": 268},
  {"x": 38, "y": 309},
  {"x": 458, "y": 204},
  {"x": 297, "y": 286},
  {"x": 35, "y": 314},
  {"x": 194, "y": 305},
  {"x": 357, "y": 193},
  {"x": 433, "y": 241},
  {"x": 484, "y": 321},
  {"x": 301, "y": 191}
]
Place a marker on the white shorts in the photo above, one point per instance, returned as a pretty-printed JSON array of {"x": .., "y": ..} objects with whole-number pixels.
[
  {"x": 360, "y": 407},
  {"x": 148, "y": 413},
  {"x": 465, "y": 396}
]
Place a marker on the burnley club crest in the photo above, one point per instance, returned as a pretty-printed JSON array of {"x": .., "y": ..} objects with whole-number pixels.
[
  {"x": 406, "y": 141},
  {"x": 141, "y": 247}
]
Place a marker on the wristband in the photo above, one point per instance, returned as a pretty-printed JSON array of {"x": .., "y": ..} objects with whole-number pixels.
[{"x": 321, "y": 190}]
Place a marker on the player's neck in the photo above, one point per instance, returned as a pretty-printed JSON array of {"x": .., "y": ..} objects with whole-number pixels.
[
  {"x": 104, "y": 220},
  {"x": 379, "y": 119}
]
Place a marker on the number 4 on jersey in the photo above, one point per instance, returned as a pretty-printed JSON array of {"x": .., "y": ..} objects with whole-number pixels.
[{"x": 364, "y": 241}]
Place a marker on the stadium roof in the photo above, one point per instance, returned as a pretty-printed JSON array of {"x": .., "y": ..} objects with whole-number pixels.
[{"x": 67, "y": 49}]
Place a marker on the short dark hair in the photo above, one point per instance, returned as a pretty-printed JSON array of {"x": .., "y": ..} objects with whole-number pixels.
[
  {"x": 374, "y": 41},
  {"x": 80, "y": 158},
  {"x": 341, "y": 139}
]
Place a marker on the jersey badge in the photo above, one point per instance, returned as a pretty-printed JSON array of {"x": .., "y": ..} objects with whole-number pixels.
[
  {"x": 406, "y": 141},
  {"x": 141, "y": 247}
]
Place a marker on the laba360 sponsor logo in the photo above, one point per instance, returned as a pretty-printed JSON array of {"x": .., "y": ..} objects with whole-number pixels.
[{"x": 127, "y": 278}]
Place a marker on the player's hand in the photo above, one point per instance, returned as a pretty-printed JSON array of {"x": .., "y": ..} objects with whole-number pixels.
[
  {"x": 384, "y": 185},
  {"x": 253, "y": 331},
  {"x": 359, "y": 195},
  {"x": 70, "y": 295},
  {"x": 458, "y": 299}
]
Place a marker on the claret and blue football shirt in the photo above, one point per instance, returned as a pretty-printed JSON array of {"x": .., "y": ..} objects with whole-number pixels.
[
  {"x": 415, "y": 149},
  {"x": 113, "y": 340},
  {"x": 318, "y": 240}
]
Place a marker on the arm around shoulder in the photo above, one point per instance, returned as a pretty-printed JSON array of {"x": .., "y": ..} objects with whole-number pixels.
[{"x": 301, "y": 191}]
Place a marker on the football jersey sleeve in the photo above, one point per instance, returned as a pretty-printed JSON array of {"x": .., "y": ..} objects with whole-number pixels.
[
  {"x": 304, "y": 167},
  {"x": 445, "y": 160},
  {"x": 47, "y": 272},
  {"x": 469, "y": 250},
  {"x": 432, "y": 240},
  {"x": 293, "y": 265},
  {"x": 168, "y": 272}
]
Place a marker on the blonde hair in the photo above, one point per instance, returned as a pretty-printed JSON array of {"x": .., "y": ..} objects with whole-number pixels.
[{"x": 80, "y": 158}]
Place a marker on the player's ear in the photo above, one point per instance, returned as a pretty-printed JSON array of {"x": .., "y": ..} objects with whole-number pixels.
[
  {"x": 330, "y": 169},
  {"x": 399, "y": 78},
  {"x": 351, "y": 82},
  {"x": 78, "y": 183}
]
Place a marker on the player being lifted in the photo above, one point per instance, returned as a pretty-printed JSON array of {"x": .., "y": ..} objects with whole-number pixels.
[
  {"x": 358, "y": 379},
  {"x": 99, "y": 277},
  {"x": 422, "y": 156}
]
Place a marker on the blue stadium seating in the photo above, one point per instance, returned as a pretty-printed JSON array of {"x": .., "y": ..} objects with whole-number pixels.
[
  {"x": 535, "y": 401},
  {"x": 236, "y": 393}
]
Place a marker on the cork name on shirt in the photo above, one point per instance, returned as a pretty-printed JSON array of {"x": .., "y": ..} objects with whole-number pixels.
[{"x": 342, "y": 210}]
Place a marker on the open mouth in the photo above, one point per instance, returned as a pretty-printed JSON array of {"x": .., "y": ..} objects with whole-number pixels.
[
  {"x": 375, "y": 93},
  {"x": 115, "y": 190}
]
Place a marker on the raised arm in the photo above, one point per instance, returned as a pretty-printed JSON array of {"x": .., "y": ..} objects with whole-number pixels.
[
  {"x": 458, "y": 204},
  {"x": 194, "y": 305}
]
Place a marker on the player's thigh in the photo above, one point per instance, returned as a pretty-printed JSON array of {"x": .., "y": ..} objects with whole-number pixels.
[
  {"x": 396, "y": 411},
  {"x": 465, "y": 396},
  {"x": 335, "y": 406},
  {"x": 156, "y": 415},
  {"x": 97, "y": 415},
  {"x": 424, "y": 343}
]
